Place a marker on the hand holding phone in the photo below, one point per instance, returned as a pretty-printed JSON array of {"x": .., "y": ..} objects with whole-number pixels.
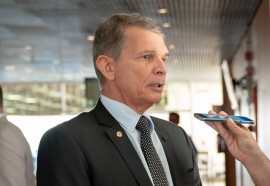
[{"x": 221, "y": 118}]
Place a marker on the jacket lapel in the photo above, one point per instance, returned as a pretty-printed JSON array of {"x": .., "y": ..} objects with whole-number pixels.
[{"x": 121, "y": 141}]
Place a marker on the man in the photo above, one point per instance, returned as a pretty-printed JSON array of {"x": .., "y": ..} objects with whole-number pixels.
[
  {"x": 174, "y": 117},
  {"x": 16, "y": 163},
  {"x": 106, "y": 146},
  {"x": 244, "y": 148}
]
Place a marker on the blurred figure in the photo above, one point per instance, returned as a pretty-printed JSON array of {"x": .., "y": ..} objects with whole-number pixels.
[
  {"x": 244, "y": 148},
  {"x": 16, "y": 163},
  {"x": 175, "y": 118}
]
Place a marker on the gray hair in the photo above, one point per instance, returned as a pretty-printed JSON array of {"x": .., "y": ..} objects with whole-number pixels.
[{"x": 109, "y": 38}]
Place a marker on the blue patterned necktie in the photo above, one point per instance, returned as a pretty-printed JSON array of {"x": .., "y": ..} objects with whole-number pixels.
[{"x": 150, "y": 154}]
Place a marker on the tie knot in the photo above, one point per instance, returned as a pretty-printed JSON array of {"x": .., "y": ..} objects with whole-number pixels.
[{"x": 142, "y": 125}]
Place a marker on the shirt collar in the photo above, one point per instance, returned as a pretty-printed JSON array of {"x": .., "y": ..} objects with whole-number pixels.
[{"x": 126, "y": 116}]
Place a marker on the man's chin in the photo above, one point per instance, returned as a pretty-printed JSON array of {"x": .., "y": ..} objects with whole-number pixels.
[
  {"x": 151, "y": 100},
  {"x": 156, "y": 100}
]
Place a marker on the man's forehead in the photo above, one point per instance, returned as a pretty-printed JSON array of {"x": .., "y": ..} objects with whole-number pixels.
[{"x": 135, "y": 29}]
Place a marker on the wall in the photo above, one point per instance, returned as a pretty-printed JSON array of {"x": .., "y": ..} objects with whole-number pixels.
[
  {"x": 258, "y": 38},
  {"x": 260, "y": 45}
]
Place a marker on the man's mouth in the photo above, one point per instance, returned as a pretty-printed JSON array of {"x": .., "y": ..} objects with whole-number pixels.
[{"x": 157, "y": 85}]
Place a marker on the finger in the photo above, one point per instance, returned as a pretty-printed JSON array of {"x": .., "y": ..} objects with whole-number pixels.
[
  {"x": 211, "y": 124},
  {"x": 214, "y": 124},
  {"x": 223, "y": 113},
  {"x": 211, "y": 112},
  {"x": 236, "y": 129},
  {"x": 223, "y": 130}
]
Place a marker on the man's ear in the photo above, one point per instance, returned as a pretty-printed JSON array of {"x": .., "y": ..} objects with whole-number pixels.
[{"x": 105, "y": 66}]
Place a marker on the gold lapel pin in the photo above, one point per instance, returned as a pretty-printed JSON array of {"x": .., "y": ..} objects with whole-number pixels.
[{"x": 119, "y": 134}]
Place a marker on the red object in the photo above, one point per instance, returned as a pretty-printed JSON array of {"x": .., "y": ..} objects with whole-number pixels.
[{"x": 249, "y": 55}]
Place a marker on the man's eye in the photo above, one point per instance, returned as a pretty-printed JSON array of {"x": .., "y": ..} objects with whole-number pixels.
[
  {"x": 164, "y": 59},
  {"x": 147, "y": 57}
]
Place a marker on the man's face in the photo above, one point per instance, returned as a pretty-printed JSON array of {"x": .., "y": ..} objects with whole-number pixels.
[{"x": 140, "y": 71}]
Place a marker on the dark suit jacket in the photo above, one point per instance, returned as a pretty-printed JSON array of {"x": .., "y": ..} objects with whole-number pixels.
[{"x": 86, "y": 150}]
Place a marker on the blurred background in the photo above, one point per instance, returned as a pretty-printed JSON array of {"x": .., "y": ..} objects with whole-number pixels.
[{"x": 219, "y": 59}]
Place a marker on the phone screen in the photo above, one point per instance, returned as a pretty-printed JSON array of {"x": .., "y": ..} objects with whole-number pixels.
[{"x": 217, "y": 117}]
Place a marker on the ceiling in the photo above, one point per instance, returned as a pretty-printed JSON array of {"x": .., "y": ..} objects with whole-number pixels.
[{"x": 46, "y": 41}]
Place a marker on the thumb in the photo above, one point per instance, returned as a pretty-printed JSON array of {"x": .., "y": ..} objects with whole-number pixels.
[{"x": 237, "y": 130}]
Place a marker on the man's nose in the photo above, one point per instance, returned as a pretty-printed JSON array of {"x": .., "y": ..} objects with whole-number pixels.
[{"x": 160, "y": 67}]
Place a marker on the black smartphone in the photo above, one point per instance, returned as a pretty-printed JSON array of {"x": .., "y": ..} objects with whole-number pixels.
[{"x": 220, "y": 118}]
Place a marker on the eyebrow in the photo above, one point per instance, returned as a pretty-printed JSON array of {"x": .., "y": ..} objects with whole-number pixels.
[{"x": 149, "y": 52}]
